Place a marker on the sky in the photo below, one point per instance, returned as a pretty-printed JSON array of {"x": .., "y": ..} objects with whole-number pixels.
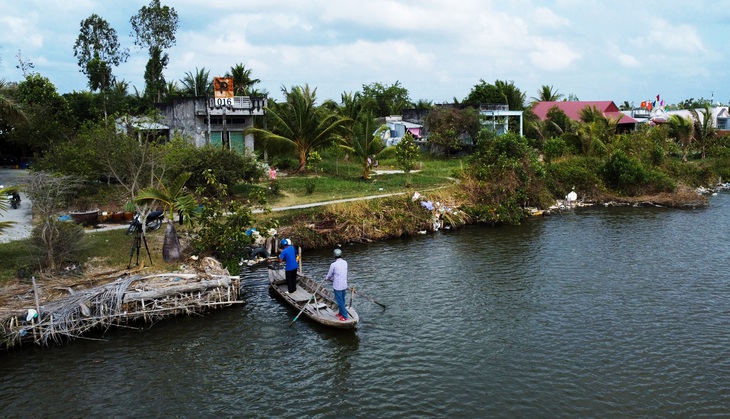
[{"x": 438, "y": 50}]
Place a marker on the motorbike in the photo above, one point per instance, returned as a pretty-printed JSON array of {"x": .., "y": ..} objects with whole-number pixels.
[
  {"x": 153, "y": 222},
  {"x": 14, "y": 198}
]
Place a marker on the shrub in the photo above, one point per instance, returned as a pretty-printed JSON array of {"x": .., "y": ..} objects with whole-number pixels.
[
  {"x": 309, "y": 186},
  {"x": 623, "y": 173},
  {"x": 554, "y": 148},
  {"x": 227, "y": 166},
  {"x": 54, "y": 243},
  {"x": 578, "y": 172}
]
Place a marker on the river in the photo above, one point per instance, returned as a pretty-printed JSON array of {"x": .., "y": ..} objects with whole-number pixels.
[{"x": 599, "y": 312}]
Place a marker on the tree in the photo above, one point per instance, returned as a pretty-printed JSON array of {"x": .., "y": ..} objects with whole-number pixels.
[
  {"x": 423, "y": 104},
  {"x": 10, "y": 110},
  {"x": 154, "y": 28},
  {"x": 173, "y": 199},
  {"x": 198, "y": 84},
  {"x": 4, "y": 225},
  {"x": 547, "y": 94},
  {"x": 447, "y": 126},
  {"x": 704, "y": 129},
  {"x": 50, "y": 194},
  {"x": 50, "y": 119},
  {"x": 500, "y": 92},
  {"x": 242, "y": 81},
  {"x": 97, "y": 49},
  {"x": 153, "y": 78},
  {"x": 406, "y": 153},
  {"x": 682, "y": 129},
  {"x": 386, "y": 100},
  {"x": 594, "y": 132},
  {"x": 301, "y": 124},
  {"x": 364, "y": 141}
]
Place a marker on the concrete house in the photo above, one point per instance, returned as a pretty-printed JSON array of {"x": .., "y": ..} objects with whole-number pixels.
[{"x": 214, "y": 121}]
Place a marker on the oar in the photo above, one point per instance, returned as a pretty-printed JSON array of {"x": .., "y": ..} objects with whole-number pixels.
[
  {"x": 310, "y": 299},
  {"x": 367, "y": 297}
]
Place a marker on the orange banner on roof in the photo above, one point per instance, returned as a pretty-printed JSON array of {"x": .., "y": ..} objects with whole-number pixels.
[{"x": 223, "y": 87}]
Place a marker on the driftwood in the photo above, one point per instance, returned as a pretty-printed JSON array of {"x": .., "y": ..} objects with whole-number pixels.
[{"x": 128, "y": 299}]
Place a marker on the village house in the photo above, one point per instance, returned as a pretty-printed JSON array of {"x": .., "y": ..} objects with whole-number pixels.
[
  {"x": 572, "y": 110},
  {"x": 203, "y": 121}
]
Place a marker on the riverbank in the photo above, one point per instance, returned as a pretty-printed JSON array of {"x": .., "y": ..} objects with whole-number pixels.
[{"x": 311, "y": 226}]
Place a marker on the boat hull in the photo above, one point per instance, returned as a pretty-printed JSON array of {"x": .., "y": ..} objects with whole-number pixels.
[{"x": 321, "y": 308}]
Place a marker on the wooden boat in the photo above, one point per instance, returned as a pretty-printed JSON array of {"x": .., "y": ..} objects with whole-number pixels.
[{"x": 319, "y": 306}]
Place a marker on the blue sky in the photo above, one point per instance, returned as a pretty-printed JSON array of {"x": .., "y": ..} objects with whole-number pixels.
[{"x": 438, "y": 50}]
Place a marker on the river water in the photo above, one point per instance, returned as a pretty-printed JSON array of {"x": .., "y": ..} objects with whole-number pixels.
[{"x": 603, "y": 312}]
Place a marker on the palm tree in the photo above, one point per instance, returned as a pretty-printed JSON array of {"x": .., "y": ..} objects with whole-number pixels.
[
  {"x": 547, "y": 94},
  {"x": 173, "y": 199},
  {"x": 595, "y": 131},
  {"x": 242, "y": 80},
  {"x": 423, "y": 104},
  {"x": 703, "y": 126},
  {"x": 300, "y": 123},
  {"x": 173, "y": 90},
  {"x": 364, "y": 142},
  {"x": 10, "y": 110},
  {"x": 4, "y": 225},
  {"x": 683, "y": 131},
  {"x": 198, "y": 84}
]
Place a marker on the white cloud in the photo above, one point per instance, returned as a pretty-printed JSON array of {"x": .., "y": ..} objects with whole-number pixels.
[
  {"x": 552, "y": 55},
  {"x": 438, "y": 50}
]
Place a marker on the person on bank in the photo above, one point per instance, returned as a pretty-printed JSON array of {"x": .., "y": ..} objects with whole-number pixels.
[
  {"x": 338, "y": 275},
  {"x": 289, "y": 257}
]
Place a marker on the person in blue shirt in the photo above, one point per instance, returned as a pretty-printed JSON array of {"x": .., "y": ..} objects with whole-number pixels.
[
  {"x": 338, "y": 275},
  {"x": 289, "y": 257}
]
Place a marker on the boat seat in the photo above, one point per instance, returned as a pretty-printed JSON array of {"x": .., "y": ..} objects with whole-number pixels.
[
  {"x": 318, "y": 305},
  {"x": 300, "y": 295}
]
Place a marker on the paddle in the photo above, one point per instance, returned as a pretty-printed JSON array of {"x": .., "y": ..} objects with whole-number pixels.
[
  {"x": 310, "y": 299},
  {"x": 369, "y": 298}
]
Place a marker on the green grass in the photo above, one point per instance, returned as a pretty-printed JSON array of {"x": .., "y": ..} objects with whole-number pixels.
[
  {"x": 338, "y": 180},
  {"x": 329, "y": 186},
  {"x": 108, "y": 249}
]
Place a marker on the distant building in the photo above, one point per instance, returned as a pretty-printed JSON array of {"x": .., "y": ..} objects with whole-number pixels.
[
  {"x": 572, "y": 110},
  {"x": 397, "y": 129},
  {"x": 214, "y": 121},
  {"x": 495, "y": 116}
]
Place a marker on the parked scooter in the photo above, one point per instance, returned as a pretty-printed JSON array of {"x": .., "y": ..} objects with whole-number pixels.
[
  {"x": 153, "y": 222},
  {"x": 14, "y": 198}
]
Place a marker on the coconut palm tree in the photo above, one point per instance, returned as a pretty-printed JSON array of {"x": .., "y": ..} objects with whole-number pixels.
[
  {"x": 682, "y": 129},
  {"x": 301, "y": 124},
  {"x": 242, "y": 81},
  {"x": 703, "y": 126},
  {"x": 198, "y": 83},
  {"x": 10, "y": 110},
  {"x": 547, "y": 94},
  {"x": 364, "y": 142},
  {"x": 4, "y": 225},
  {"x": 173, "y": 198}
]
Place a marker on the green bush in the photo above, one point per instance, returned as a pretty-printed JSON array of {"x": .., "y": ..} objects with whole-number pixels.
[
  {"x": 576, "y": 172},
  {"x": 623, "y": 173},
  {"x": 554, "y": 148},
  {"x": 228, "y": 167},
  {"x": 309, "y": 186},
  {"x": 658, "y": 181}
]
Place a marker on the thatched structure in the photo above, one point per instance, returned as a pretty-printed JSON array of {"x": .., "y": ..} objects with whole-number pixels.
[{"x": 127, "y": 299}]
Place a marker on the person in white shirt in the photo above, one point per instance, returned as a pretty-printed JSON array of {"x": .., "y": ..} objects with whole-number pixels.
[{"x": 338, "y": 275}]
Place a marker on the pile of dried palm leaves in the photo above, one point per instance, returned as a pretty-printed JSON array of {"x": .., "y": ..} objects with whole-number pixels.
[{"x": 127, "y": 299}]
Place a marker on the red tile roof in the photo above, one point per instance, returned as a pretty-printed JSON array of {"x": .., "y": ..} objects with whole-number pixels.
[{"x": 573, "y": 108}]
